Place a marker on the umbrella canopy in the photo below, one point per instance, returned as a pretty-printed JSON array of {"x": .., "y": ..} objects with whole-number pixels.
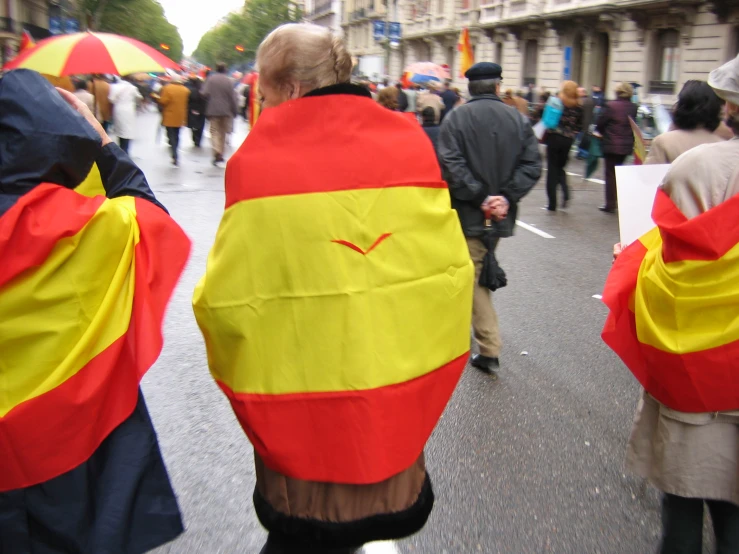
[
  {"x": 423, "y": 72},
  {"x": 91, "y": 53}
]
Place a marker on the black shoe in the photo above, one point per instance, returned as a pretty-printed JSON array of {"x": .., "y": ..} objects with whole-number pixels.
[
  {"x": 175, "y": 162},
  {"x": 607, "y": 210},
  {"x": 564, "y": 204},
  {"x": 550, "y": 209},
  {"x": 485, "y": 363}
]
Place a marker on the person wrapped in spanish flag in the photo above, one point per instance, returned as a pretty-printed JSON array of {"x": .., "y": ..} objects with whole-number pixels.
[
  {"x": 336, "y": 303},
  {"x": 673, "y": 297},
  {"x": 84, "y": 282}
]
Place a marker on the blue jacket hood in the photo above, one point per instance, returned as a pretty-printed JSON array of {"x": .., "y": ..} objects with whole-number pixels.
[{"x": 42, "y": 138}]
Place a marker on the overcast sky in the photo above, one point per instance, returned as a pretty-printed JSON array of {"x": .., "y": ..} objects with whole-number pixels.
[{"x": 194, "y": 17}]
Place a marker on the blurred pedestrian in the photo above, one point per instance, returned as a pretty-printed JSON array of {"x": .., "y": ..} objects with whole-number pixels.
[
  {"x": 221, "y": 109},
  {"x": 488, "y": 175},
  {"x": 402, "y": 98},
  {"x": 521, "y": 104},
  {"x": 80, "y": 91},
  {"x": 508, "y": 98},
  {"x": 696, "y": 116},
  {"x": 174, "y": 101},
  {"x": 431, "y": 127},
  {"x": 559, "y": 142},
  {"x": 196, "y": 110},
  {"x": 618, "y": 139},
  {"x": 588, "y": 111},
  {"x": 411, "y": 93},
  {"x": 429, "y": 99},
  {"x": 100, "y": 89},
  {"x": 83, "y": 291},
  {"x": 388, "y": 98},
  {"x": 125, "y": 98},
  {"x": 599, "y": 99},
  {"x": 298, "y": 190},
  {"x": 685, "y": 438},
  {"x": 450, "y": 99}
]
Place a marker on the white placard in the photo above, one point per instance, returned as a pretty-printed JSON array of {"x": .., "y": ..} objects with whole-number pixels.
[{"x": 637, "y": 186}]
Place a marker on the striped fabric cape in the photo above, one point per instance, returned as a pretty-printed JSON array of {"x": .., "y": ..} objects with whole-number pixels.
[
  {"x": 674, "y": 308},
  {"x": 83, "y": 288},
  {"x": 337, "y": 298}
]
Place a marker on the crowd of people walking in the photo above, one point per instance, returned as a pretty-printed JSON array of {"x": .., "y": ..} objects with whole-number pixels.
[{"x": 323, "y": 487}]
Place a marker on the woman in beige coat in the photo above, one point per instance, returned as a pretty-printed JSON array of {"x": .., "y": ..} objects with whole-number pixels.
[
  {"x": 696, "y": 117},
  {"x": 694, "y": 457}
]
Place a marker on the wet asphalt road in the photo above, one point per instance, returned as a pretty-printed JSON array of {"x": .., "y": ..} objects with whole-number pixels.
[{"x": 532, "y": 463}]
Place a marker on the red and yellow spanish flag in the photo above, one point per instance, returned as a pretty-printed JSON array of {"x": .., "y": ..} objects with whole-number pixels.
[
  {"x": 467, "y": 57},
  {"x": 255, "y": 104},
  {"x": 84, "y": 283},
  {"x": 26, "y": 41},
  {"x": 640, "y": 147},
  {"x": 674, "y": 308},
  {"x": 337, "y": 299}
]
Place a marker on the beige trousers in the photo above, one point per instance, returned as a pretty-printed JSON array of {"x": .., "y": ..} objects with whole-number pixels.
[
  {"x": 219, "y": 128},
  {"x": 484, "y": 319}
]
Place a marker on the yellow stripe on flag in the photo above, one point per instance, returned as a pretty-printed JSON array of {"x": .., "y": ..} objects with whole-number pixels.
[
  {"x": 57, "y": 317},
  {"x": 93, "y": 184},
  {"x": 687, "y": 306},
  {"x": 128, "y": 58},
  {"x": 51, "y": 58},
  {"x": 283, "y": 306}
]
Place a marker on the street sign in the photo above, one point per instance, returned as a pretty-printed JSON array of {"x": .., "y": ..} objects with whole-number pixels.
[
  {"x": 55, "y": 25},
  {"x": 379, "y": 30},
  {"x": 395, "y": 32},
  {"x": 71, "y": 25},
  {"x": 568, "y": 63}
]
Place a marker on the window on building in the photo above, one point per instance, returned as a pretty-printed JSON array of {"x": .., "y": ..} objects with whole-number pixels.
[
  {"x": 450, "y": 55},
  {"x": 499, "y": 53},
  {"x": 530, "y": 62},
  {"x": 440, "y": 7},
  {"x": 667, "y": 62}
]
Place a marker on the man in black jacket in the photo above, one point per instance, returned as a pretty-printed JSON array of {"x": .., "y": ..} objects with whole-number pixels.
[{"x": 490, "y": 158}]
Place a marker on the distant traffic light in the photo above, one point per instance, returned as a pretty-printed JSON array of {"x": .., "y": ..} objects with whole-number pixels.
[
  {"x": 239, "y": 48},
  {"x": 164, "y": 46}
]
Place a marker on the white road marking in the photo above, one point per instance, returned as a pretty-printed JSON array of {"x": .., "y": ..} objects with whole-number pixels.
[
  {"x": 382, "y": 547},
  {"x": 598, "y": 297},
  {"x": 599, "y": 181},
  {"x": 534, "y": 230}
]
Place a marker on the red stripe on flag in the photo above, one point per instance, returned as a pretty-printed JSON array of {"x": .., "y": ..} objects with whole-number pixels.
[
  {"x": 57, "y": 431},
  {"x": 676, "y": 379},
  {"x": 31, "y": 228},
  {"x": 706, "y": 237},
  {"x": 296, "y": 149},
  {"x": 355, "y": 437}
]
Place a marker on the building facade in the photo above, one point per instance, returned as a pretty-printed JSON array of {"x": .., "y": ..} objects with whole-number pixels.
[
  {"x": 659, "y": 44},
  {"x": 326, "y": 13},
  {"x": 19, "y": 15}
]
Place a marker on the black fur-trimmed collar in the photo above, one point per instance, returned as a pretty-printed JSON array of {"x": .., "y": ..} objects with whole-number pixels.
[{"x": 341, "y": 88}]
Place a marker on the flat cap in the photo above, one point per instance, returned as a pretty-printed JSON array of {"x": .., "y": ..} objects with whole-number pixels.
[
  {"x": 484, "y": 71},
  {"x": 725, "y": 81}
]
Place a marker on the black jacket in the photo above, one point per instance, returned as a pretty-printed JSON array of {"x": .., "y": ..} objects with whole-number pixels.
[
  {"x": 613, "y": 124},
  {"x": 487, "y": 149}
]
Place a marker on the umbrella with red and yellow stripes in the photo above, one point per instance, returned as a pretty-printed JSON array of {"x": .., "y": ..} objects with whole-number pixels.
[{"x": 91, "y": 53}]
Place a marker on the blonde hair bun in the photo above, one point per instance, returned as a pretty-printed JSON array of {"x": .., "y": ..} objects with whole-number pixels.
[{"x": 305, "y": 53}]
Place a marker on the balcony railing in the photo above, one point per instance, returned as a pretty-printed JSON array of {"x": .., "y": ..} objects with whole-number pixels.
[
  {"x": 7, "y": 25},
  {"x": 661, "y": 87}
]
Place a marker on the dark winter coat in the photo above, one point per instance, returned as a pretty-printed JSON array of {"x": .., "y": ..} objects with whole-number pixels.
[
  {"x": 120, "y": 500},
  {"x": 487, "y": 149},
  {"x": 196, "y": 106},
  {"x": 613, "y": 124}
]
